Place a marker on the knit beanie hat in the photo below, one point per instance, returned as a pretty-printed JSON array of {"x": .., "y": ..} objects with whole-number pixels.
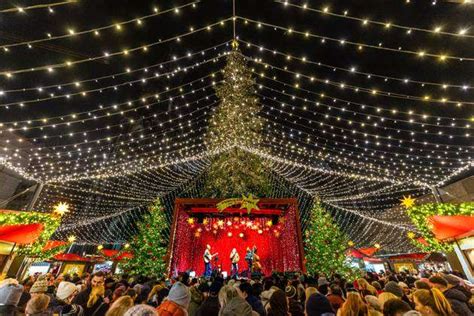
[
  {"x": 318, "y": 304},
  {"x": 40, "y": 286},
  {"x": 394, "y": 288},
  {"x": 10, "y": 292},
  {"x": 290, "y": 291},
  {"x": 179, "y": 293},
  {"x": 65, "y": 289},
  {"x": 141, "y": 310}
]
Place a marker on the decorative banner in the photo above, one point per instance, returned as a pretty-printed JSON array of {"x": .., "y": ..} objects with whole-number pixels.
[{"x": 246, "y": 202}]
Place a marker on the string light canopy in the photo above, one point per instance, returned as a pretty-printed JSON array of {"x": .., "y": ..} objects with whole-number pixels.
[{"x": 357, "y": 106}]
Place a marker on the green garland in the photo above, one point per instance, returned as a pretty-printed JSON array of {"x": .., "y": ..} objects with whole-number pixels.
[
  {"x": 149, "y": 246},
  {"x": 50, "y": 222},
  {"x": 419, "y": 215},
  {"x": 326, "y": 245}
]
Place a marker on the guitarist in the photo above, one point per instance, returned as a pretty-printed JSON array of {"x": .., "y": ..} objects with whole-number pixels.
[{"x": 207, "y": 260}]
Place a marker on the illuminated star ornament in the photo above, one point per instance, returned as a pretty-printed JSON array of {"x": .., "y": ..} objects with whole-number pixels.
[
  {"x": 71, "y": 238},
  {"x": 190, "y": 221},
  {"x": 249, "y": 203},
  {"x": 61, "y": 209},
  {"x": 407, "y": 201}
]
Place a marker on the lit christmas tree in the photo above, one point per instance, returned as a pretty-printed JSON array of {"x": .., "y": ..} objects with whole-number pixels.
[
  {"x": 149, "y": 246},
  {"x": 236, "y": 125},
  {"x": 326, "y": 245}
]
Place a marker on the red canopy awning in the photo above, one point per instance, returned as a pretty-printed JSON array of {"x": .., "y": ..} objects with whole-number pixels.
[
  {"x": 451, "y": 227},
  {"x": 409, "y": 256},
  {"x": 111, "y": 253},
  {"x": 362, "y": 253},
  {"x": 22, "y": 233},
  {"x": 70, "y": 257},
  {"x": 51, "y": 244}
]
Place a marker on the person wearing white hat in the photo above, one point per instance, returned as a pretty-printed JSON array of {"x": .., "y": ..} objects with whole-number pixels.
[{"x": 64, "y": 295}]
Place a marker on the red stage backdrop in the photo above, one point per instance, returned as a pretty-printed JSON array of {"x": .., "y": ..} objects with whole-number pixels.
[{"x": 279, "y": 244}]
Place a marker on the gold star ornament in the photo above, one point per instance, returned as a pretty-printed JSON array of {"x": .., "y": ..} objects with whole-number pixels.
[
  {"x": 407, "y": 201},
  {"x": 61, "y": 208},
  {"x": 249, "y": 203}
]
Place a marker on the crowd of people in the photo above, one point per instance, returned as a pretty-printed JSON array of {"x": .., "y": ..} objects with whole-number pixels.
[{"x": 292, "y": 294}]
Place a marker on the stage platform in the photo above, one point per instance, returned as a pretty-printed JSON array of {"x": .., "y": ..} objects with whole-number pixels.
[{"x": 274, "y": 229}]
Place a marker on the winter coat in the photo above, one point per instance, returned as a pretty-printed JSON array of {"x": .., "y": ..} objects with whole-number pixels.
[
  {"x": 82, "y": 297},
  {"x": 256, "y": 304},
  {"x": 210, "y": 307},
  {"x": 295, "y": 308},
  {"x": 336, "y": 301},
  {"x": 458, "y": 301},
  {"x": 170, "y": 308},
  {"x": 196, "y": 300},
  {"x": 237, "y": 307},
  {"x": 266, "y": 297}
]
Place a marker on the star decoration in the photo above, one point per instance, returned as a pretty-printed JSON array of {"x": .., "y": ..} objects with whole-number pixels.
[
  {"x": 190, "y": 221},
  {"x": 411, "y": 235},
  {"x": 205, "y": 221},
  {"x": 350, "y": 243},
  {"x": 249, "y": 203},
  {"x": 71, "y": 238},
  {"x": 407, "y": 201},
  {"x": 61, "y": 208}
]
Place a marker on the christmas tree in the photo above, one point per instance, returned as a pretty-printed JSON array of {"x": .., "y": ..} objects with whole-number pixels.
[
  {"x": 235, "y": 125},
  {"x": 149, "y": 246},
  {"x": 326, "y": 245}
]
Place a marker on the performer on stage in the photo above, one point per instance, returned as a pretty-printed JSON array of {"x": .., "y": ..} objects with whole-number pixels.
[
  {"x": 256, "y": 266},
  {"x": 234, "y": 259},
  {"x": 249, "y": 260},
  {"x": 207, "y": 261}
]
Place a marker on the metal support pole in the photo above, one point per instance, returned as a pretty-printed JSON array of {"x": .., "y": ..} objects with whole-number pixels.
[
  {"x": 35, "y": 197},
  {"x": 233, "y": 16}
]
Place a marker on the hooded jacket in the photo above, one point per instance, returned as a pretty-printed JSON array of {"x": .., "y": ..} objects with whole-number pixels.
[
  {"x": 196, "y": 300},
  {"x": 237, "y": 307},
  {"x": 458, "y": 301}
]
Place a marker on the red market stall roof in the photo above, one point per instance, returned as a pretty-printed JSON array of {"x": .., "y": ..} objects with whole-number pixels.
[
  {"x": 452, "y": 227},
  {"x": 112, "y": 253},
  {"x": 21, "y": 233},
  {"x": 51, "y": 244},
  {"x": 408, "y": 256},
  {"x": 362, "y": 252},
  {"x": 70, "y": 257}
]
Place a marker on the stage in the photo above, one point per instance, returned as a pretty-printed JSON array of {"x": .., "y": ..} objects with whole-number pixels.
[{"x": 274, "y": 229}]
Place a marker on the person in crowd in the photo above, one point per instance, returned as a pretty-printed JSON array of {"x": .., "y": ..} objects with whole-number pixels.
[
  {"x": 141, "y": 310},
  {"x": 308, "y": 292},
  {"x": 40, "y": 286},
  {"x": 197, "y": 297},
  {"x": 278, "y": 304},
  {"x": 64, "y": 295},
  {"x": 268, "y": 289},
  {"x": 120, "y": 306},
  {"x": 459, "y": 302},
  {"x": 432, "y": 303},
  {"x": 385, "y": 296},
  {"x": 395, "y": 307},
  {"x": 335, "y": 297},
  {"x": 323, "y": 285},
  {"x": 353, "y": 306},
  {"x": 373, "y": 305},
  {"x": 10, "y": 293},
  {"x": 210, "y": 306},
  {"x": 177, "y": 302},
  {"x": 237, "y": 306},
  {"x": 247, "y": 293},
  {"x": 377, "y": 286},
  {"x": 422, "y": 285},
  {"x": 318, "y": 305},
  {"x": 25, "y": 296},
  {"x": 96, "y": 305},
  {"x": 365, "y": 288},
  {"x": 97, "y": 280},
  {"x": 294, "y": 307},
  {"x": 226, "y": 294},
  {"x": 38, "y": 305},
  {"x": 455, "y": 283}
]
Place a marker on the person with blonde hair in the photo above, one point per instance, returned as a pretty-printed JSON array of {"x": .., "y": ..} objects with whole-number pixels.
[
  {"x": 353, "y": 306},
  {"x": 120, "y": 306},
  {"x": 366, "y": 288},
  {"x": 96, "y": 305},
  {"x": 226, "y": 293},
  {"x": 38, "y": 305},
  {"x": 385, "y": 296},
  {"x": 308, "y": 292},
  {"x": 432, "y": 302}
]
